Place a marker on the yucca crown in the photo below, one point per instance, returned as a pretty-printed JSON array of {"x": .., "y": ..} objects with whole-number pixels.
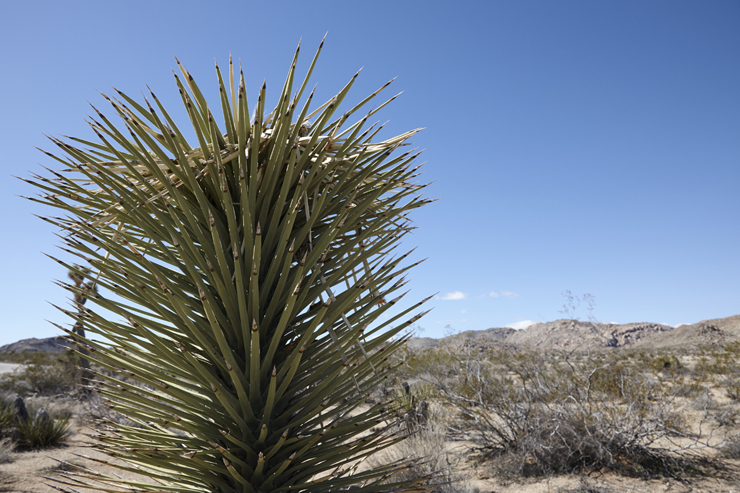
[{"x": 249, "y": 270}]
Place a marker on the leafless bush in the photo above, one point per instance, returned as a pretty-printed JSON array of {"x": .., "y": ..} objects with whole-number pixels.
[
  {"x": 727, "y": 417},
  {"x": 731, "y": 449},
  {"x": 536, "y": 414},
  {"x": 731, "y": 385}
]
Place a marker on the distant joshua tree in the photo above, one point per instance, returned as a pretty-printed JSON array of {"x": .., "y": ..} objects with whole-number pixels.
[{"x": 81, "y": 292}]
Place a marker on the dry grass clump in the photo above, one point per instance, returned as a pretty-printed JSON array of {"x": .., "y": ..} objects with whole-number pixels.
[{"x": 428, "y": 445}]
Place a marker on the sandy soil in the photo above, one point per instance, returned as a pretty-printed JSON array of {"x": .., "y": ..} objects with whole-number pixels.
[
  {"x": 8, "y": 367},
  {"x": 28, "y": 472},
  {"x": 609, "y": 484}
]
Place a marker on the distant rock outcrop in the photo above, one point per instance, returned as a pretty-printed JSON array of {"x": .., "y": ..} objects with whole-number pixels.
[
  {"x": 33, "y": 345},
  {"x": 567, "y": 335},
  {"x": 715, "y": 332},
  {"x": 563, "y": 335}
]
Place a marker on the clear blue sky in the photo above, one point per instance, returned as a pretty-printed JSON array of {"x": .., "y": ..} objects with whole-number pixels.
[{"x": 574, "y": 145}]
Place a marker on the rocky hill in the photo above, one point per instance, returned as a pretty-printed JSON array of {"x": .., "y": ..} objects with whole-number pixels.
[
  {"x": 565, "y": 335},
  {"x": 486, "y": 339},
  {"x": 571, "y": 334},
  {"x": 33, "y": 345},
  {"x": 715, "y": 332}
]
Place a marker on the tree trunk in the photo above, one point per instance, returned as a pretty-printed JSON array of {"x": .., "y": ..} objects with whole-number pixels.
[{"x": 85, "y": 376}]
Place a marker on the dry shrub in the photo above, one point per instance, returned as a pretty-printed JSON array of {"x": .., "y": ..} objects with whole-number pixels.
[
  {"x": 427, "y": 445},
  {"x": 731, "y": 385},
  {"x": 704, "y": 401},
  {"x": 731, "y": 448},
  {"x": 536, "y": 414}
]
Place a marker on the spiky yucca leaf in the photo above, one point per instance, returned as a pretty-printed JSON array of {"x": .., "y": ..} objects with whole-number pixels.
[{"x": 249, "y": 270}]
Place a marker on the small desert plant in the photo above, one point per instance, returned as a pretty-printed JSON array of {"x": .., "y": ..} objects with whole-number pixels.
[
  {"x": 33, "y": 428},
  {"x": 42, "y": 430},
  {"x": 704, "y": 401},
  {"x": 688, "y": 387}
]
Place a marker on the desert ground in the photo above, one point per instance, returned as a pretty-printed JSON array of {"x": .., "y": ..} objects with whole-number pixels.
[
  {"x": 29, "y": 471},
  {"x": 458, "y": 392}
]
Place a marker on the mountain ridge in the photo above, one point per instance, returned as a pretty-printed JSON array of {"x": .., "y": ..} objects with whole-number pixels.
[
  {"x": 568, "y": 334},
  {"x": 558, "y": 335}
]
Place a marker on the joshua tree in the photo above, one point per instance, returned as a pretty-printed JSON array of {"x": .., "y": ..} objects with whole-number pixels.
[
  {"x": 81, "y": 292},
  {"x": 249, "y": 270}
]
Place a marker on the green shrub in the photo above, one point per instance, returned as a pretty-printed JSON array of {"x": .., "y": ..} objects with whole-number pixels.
[
  {"x": 720, "y": 361},
  {"x": 42, "y": 430},
  {"x": 7, "y": 415},
  {"x": 664, "y": 363},
  {"x": 35, "y": 357}
]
